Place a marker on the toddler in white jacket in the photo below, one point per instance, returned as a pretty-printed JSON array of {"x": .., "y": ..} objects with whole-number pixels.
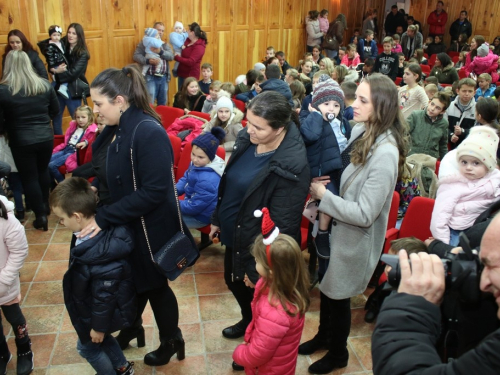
[{"x": 468, "y": 184}]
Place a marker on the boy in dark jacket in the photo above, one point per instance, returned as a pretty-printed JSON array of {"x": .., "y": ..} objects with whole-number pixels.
[
  {"x": 98, "y": 288},
  {"x": 461, "y": 113},
  {"x": 367, "y": 47},
  {"x": 387, "y": 62},
  {"x": 325, "y": 133}
]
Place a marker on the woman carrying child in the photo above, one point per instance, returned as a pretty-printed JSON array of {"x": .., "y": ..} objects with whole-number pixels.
[
  {"x": 190, "y": 98},
  {"x": 280, "y": 302},
  {"x": 80, "y": 134},
  {"x": 468, "y": 187}
]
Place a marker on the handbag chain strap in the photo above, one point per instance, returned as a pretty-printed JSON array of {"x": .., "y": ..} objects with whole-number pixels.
[{"x": 135, "y": 189}]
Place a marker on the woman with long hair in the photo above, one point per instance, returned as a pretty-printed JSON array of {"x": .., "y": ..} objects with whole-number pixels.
[
  {"x": 336, "y": 34},
  {"x": 18, "y": 41},
  {"x": 77, "y": 55},
  {"x": 190, "y": 97},
  {"x": 122, "y": 101},
  {"x": 27, "y": 105},
  {"x": 192, "y": 54},
  {"x": 372, "y": 161},
  {"x": 444, "y": 69}
]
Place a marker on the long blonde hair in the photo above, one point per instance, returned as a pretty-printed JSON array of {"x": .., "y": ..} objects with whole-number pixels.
[
  {"x": 287, "y": 279},
  {"x": 20, "y": 75},
  {"x": 386, "y": 116}
]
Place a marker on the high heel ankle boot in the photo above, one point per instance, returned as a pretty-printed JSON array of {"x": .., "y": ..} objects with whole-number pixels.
[
  {"x": 128, "y": 334},
  {"x": 5, "y": 357},
  {"x": 41, "y": 223},
  {"x": 167, "y": 349}
]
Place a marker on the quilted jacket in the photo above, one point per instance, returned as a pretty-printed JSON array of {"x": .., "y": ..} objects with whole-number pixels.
[
  {"x": 188, "y": 122},
  {"x": 487, "y": 64}
]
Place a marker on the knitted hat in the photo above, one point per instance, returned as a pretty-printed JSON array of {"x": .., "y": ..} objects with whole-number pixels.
[
  {"x": 54, "y": 29},
  {"x": 151, "y": 32},
  {"x": 483, "y": 50},
  {"x": 178, "y": 24},
  {"x": 269, "y": 231},
  {"x": 482, "y": 143},
  {"x": 259, "y": 66},
  {"x": 327, "y": 90},
  {"x": 209, "y": 142},
  {"x": 224, "y": 102}
]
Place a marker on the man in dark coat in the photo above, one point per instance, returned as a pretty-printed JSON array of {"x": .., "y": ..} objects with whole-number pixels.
[
  {"x": 393, "y": 20},
  {"x": 409, "y": 323},
  {"x": 274, "y": 83},
  {"x": 461, "y": 26}
]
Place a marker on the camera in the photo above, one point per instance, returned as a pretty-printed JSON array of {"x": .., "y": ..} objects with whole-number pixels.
[{"x": 462, "y": 272}]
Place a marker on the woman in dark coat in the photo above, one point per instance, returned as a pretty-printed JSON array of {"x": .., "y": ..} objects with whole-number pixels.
[
  {"x": 336, "y": 32},
  {"x": 77, "y": 55},
  {"x": 268, "y": 168},
  {"x": 121, "y": 99},
  {"x": 18, "y": 41},
  {"x": 27, "y": 104}
]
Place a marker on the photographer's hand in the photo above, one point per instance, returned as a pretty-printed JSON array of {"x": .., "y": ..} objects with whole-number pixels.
[{"x": 425, "y": 277}]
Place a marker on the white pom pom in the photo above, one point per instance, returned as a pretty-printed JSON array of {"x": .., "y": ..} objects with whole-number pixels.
[{"x": 257, "y": 213}]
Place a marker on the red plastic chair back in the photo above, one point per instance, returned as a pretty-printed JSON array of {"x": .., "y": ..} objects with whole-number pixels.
[
  {"x": 417, "y": 221},
  {"x": 426, "y": 69},
  {"x": 244, "y": 123},
  {"x": 454, "y": 59},
  {"x": 206, "y": 116},
  {"x": 453, "y": 54},
  {"x": 398, "y": 81},
  {"x": 393, "y": 211},
  {"x": 426, "y": 56},
  {"x": 240, "y": 105},
  {"x": 432, "y": 60},
  {"x": 462, "y": 74},
  {"x": 438, "y": 164},
  {"x": 176, "y": 147},
  {"x": 168, "y": 114},
  {"x": 185, "y": 159},
  {"x": 58, "y": 139}
]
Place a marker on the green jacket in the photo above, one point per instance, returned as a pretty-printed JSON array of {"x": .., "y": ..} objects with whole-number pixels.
[
  {"x": 447, "y": 75},
  {"x": 427, "y": 137}
]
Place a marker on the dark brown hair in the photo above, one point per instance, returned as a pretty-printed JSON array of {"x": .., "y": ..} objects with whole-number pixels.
[
  {"x": 184, "y": 95},
  {"x": 74, "y": 195},
  {"x": 81, "y": 45},
  {"x": 26, "y": 45},
  {"x": 412, "y": 245},
  {"x": 198, "y": 32}
]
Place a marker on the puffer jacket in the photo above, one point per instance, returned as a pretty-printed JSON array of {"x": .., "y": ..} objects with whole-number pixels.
[
  {"x": 323, "y": 24},
  {"x": 314, "y": 33},
  {"x": 323, "y": 152},
  {"x": 71, "y": 162},
  {"x": 353, "y": 63},
  {"x": 459, "y": 201},
  {"x": 201, "y": 184},
  {"x": 187, "y": 122},
  {"x": 13, "y": 252},
  {"x": 232, "y": 128},
  {"x": 489, "y": 92},
  {"x": 272, "y": 338},
  {"x": 427, "y": 137},
  {"x": 487, "y": 64},
  {"x": 53, "y": 54},
  {"x": 278, "y": 85},
  {"x": 447, "y": 75},
  {"x": 98, "y": 289},
  {"x": 190, "y": 59},
  {"x": 281, "y": 186}
]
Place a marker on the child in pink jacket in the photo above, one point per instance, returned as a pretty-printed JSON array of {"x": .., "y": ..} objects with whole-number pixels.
[
  {"x": 351, "y": 58},
  {"x": 485, "y": 62},
  {"x": 13, "y": 252},
  {"x": 470, "y": 184},
  {"x": 280, "y": 302},
  {"x": 80, "y": 134}
]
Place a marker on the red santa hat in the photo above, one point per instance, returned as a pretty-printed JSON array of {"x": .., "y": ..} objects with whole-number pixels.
[{"x": 269, "y": 231}]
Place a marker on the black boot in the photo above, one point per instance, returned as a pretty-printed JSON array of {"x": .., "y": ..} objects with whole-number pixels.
[
  {"x": 41, "y": 223},
  {"x": 127, "y": 370},
  {"x": 20, "y": 215},
  {"x": 128, "y": 334},
  {"x": 236, "y": 331},
  {"x": 25, "y": 358},
  {"x": 322, "y": 338},
  {"x": 5, "y": 357},
  {"x": 329, "y": 362},
  {"x": 166, "y": 350}
]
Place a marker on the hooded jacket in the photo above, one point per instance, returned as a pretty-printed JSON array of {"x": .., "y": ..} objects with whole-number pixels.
[
  {"x": 272, "y": 338},
  {"x": 367, "y": 49},
  {"x": 447, "y": 75},
  {"x": 428, "y": 137},
  {"x": 489, "y": 92},
  {"x": 281, "y": 186},
  {"x": 232, "y": 128},
  {"x": 465, "y": 120},
  {"x": 487, "y": 64},
  {"x": 201, "y": 184},
  {"x": 190, "y": 59},
  {"x": 13, "y": 252},
  {"x": 188, "y": 122},
  {"x": 274, "y": 84},
  {"x": 98, "y": 289},
  {"x": 459, "y": 201}
]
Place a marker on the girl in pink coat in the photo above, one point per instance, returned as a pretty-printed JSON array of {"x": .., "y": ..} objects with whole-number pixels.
[
  {"x": 485, "y": 62},
  {"x": 468, "y": 184},
  {"x": 13, "y": 252},
  {"x": 280, "y": 302},
  {"x": 80, "y": 134},
  {"x": 351, "y": 58}
]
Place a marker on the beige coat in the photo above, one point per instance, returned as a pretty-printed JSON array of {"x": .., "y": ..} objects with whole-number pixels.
[
  {"x": 360, "y": 218},
  {"x": 314, "y": 34}
]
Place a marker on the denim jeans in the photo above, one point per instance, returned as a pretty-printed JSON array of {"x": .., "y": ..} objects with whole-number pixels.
[
  {"x": 157, "y": 88},
  {"x": 331, "y": 53},
  {"x": 454, "y": 237},
  {"x": 104, "y": 357},
  {"x": 193, "y": 223},
  {"x": 72, "y": 105},
  {"x": 58, "y": 159}
]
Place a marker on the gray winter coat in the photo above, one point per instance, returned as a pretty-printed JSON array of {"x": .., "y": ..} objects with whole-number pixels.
[{"x": 360, "y": 218}]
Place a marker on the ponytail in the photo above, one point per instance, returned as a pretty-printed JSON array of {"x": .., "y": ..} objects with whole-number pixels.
[
  {"x": 198, "y": 32},
  {"x": 127, "y": 82}
]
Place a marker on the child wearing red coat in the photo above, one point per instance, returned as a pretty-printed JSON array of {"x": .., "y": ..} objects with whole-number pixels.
[{"x": 280, "y": 302}]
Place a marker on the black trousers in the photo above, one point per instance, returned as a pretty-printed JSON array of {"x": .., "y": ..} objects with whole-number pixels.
[
  {"x": 32, "y": 162},
  {"x": 339, "y": 311},
  {"x": 85, "y": 171},
  {"x": 242, "y": 293},
  {"x": 15, "y": 317}
]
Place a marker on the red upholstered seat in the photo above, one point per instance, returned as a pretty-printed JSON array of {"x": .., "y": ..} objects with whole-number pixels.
[{"x": 168, "y": 114}]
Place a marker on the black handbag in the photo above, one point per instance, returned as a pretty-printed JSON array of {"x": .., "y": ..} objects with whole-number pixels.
[
  {"x": 179, "y": 252},
  {"x": 79, "y": 89},
  {"x": 330, "y": 43}
]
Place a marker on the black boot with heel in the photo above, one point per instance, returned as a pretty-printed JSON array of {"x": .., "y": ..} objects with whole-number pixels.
[
  {"x": 166, "y": 350},
  {"x": 128, "y": 334},
  {"x": 5, "y": 357},
  {"x": 41, "y": 222}
]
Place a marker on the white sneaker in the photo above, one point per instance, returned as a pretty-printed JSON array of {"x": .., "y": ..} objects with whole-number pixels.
[{"x": 63, "y": 90}]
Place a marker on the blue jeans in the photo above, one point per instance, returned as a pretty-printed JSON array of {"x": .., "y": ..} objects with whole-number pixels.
[
  {"x": 331, "y": 53},
  {"x": 180, "y": 82},
  {"x": 72, "y": 105},
  {"x": 157, "y": 88},
  {"x": 58, "y": 159},
  {"x": 105, "y": 357},
  {"x": 454, "y": 239},
  {"x": 193, "y": 223}
]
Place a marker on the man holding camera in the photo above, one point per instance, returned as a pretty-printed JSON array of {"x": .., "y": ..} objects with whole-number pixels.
[{"x": 409, "y": 324}]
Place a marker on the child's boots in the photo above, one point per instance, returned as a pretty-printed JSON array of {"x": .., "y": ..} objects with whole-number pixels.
[
  {"x": 127, "y": 370},
  {"x": 5, "y": 357},
  {"x": 25, "y": 357}
]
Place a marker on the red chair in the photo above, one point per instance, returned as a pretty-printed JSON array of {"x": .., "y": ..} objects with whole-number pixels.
[
  {"x": 462, "y": 74},
  {"x": 426, "y": 69},
  {"x": 240, "y": 105},
  {"x": 244, "y": 123},
  {"x": 417, "y": 221},
  {"x": 453, "y": 54},
  {"x": 426, "y": 56},
  {"x": 446, "y": 84},
  {"x": 168, "y": 114},
  {"x": 58, "y": 139},
  {"x": 176, "y": 147},
  {"x": 432, "y": 60},
  {"x": 391, "y": 223},
  {"x": 205, "y": 116},
  {"x": 455, "y": 59},
  {"x": 438, "y": 164},
  {"x": 398, "y": 81}
]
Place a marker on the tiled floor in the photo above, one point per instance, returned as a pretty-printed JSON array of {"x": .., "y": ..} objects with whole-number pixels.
[{"x": 205, "y": 304}]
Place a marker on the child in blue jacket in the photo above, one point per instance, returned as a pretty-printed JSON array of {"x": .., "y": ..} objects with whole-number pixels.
[
  {"x": 200, "y": 183},
  {"x": 177, "y": 39},
  {"x": 150, "y": 40},
  {"x": 325, "y": 133}
]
